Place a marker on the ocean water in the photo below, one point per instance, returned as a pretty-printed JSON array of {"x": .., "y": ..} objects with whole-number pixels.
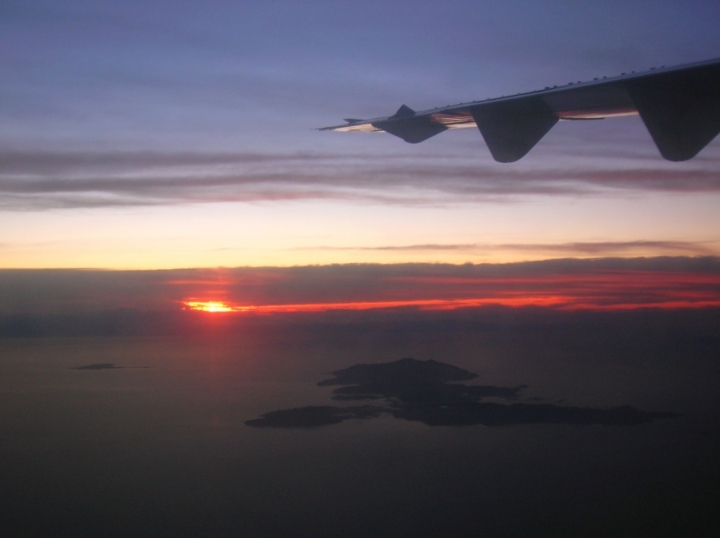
[{"x": 153, "y": 441}]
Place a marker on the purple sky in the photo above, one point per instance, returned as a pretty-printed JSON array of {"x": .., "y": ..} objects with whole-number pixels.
[
  {"x": 249, "y": 76},
  {"x": 118, "y": 118}
]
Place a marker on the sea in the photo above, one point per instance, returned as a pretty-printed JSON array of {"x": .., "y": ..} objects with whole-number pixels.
[{"x": 146, "y": 435}]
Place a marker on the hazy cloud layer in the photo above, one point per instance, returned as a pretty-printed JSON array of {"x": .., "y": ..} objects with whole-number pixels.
[
  {"x": 33, "y": 181},
  {"x": 597, "y": 284}
]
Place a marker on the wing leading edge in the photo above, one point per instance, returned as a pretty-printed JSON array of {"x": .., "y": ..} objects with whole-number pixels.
[{"x": 680, "y": 107}]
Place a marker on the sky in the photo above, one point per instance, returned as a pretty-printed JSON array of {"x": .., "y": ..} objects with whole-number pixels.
[
  {"x": 182, "y": 251},
  {"x": 166, "y": 135}
]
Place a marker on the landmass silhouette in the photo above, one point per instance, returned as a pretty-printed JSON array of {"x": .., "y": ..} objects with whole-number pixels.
[
  {"x": 428, "y": 392},
  {"x": 106, "y": 366}
]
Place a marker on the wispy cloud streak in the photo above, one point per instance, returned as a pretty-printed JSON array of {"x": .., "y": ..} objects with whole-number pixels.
[
  {"x": 598, "y": 248},
  {"x": 34, "y": 181}
]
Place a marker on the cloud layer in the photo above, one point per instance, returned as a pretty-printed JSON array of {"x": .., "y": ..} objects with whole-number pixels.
[
  {"x": 37, "y": 180},
  {"x": 597, "y": 248},
  {"x": 600, "y": 284}
]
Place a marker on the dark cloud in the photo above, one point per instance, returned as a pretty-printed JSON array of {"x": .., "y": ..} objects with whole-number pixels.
[
  {"x": 601, "y": 282},
  {"x": 33, "y": 181}
]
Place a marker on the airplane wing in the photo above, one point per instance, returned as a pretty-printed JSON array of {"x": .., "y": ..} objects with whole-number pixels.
[{"x": 679, "y": 105}]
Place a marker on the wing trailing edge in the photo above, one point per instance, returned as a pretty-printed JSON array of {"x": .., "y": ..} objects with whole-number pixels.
[{"x": 680, "y": 106}]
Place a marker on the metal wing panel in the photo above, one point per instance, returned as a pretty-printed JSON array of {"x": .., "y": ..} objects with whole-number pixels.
[
  {"x": 679, "y": 105},
  {"x": 591, "y": 102}
]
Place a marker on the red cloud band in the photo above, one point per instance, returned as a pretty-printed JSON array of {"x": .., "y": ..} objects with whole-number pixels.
[{"x": 600, "y": 290}]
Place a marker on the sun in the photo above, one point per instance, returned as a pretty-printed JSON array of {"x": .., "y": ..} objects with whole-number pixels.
[{"x": 209, "y": 306}]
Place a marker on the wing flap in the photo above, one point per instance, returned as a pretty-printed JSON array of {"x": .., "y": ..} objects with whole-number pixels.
[
  {"x": 411, "y": 128},
  {"x": 680, "y": 110},
  {"x": 512, "y": 128}
]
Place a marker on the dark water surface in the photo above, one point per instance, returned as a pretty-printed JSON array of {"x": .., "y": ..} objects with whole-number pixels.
[{"x": 147, "y": 437}]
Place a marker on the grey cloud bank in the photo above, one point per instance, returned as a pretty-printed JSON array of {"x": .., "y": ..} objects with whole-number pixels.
[
  {"x": 36, "y": 180},
  {"x": 74, "y": 291},
  {"x": 579, "y": 248}
]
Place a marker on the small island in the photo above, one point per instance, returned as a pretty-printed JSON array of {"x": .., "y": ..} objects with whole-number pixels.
[{"x": 429, "y": 392}]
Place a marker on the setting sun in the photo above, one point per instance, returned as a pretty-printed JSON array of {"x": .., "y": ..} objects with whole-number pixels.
[{"x": 209, "y": 306}]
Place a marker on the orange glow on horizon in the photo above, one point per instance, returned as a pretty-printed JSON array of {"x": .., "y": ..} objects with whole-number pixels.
[
  {"x": 603, "y": 290},
  {"x": 559, "y": 302},
  {"x": 421, "y": 304}
]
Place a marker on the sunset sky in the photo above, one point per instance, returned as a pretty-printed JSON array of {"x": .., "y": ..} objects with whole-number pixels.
[
  {"x": 187, "y": 264},
  {"x": 166, "y": 135}
]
